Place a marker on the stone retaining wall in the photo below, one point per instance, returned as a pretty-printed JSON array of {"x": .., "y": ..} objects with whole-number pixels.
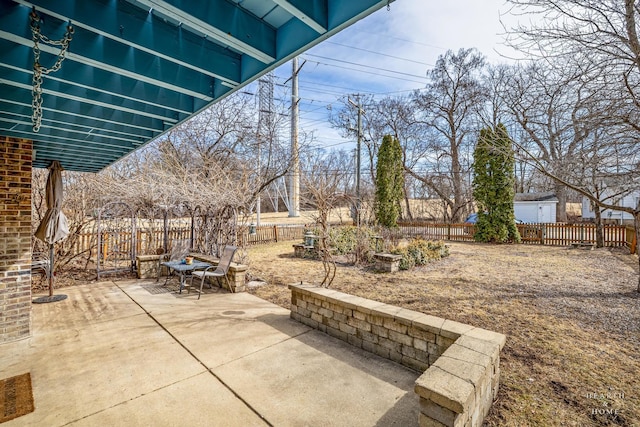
[{"x": 461, "y": 362}]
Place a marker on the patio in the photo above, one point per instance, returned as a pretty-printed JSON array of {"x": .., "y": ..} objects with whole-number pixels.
[{"x": 131, "y": 353}]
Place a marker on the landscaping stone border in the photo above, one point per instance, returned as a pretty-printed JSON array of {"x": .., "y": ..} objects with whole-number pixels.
[
  {"x": 300, "y": 250},
  {"x": 461, "y": 363},
  {"x": 389, "y": 263}
]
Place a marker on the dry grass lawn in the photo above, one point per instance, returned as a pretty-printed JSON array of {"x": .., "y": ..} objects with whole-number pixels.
[{"x": 571, "y": 317}]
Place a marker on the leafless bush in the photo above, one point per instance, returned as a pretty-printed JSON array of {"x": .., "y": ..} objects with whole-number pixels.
[{"x": 322, "y": 189}]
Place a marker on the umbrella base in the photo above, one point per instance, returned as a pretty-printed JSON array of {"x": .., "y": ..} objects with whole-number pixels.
[{"x": 53, "y": 298}]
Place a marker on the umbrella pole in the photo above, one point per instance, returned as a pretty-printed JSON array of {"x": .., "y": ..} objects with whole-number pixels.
[
  {"x": 51, "y": 269},
  {"x": 51, "y": 297}
]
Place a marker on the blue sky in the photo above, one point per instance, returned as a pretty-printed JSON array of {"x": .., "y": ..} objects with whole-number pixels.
[{"x": 389, "y": 52}]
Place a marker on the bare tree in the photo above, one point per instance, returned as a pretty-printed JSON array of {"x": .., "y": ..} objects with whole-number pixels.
[
  {"x": 600, "y": 40},
  {"x": 601, "y": 33},
  {"x": 321, "y": 189},
  {"x": 436, "y": 127},
  {"x": 387, "y": 116},
  {"x": 448, "y": 106},
  {"x": 205, "y": 167},
  {"x": 555, "y": 111}
]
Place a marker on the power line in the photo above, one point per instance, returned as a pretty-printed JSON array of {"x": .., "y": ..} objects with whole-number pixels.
[
  {"x": 349, "y": 89},
  {"x": 386, "y": 36},
  {"x": 367, "y": 66},
  {"x": 363, "y": 71},
  {"x": 380, "y": 53},
  {"x": 324, "y": 85}
]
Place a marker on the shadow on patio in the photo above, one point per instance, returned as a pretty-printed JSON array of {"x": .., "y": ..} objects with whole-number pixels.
[{"x": 128, "y": 353}]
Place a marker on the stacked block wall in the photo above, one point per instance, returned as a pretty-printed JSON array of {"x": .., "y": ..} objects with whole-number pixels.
[{"x": 461, "y": 363}]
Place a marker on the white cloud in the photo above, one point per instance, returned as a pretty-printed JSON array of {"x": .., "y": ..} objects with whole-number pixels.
[{"x": 402, "y": 43}]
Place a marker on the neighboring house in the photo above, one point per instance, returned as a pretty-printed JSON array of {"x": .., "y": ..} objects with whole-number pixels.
[
  {"x": 535, "y": 207},
  {"x": 631, "y": 200}
]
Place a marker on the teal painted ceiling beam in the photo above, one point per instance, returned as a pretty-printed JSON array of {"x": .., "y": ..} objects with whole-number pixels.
[
  {"x": 146, "y": 32},
  {"x": 224, "y": 22},
  {"x": 76, "y": 113},
  {"x": 312, "y": 13},
  {"x": 104, "y": 54},
  {"x": 111, "y": 93},
  {"x": 107, "y": 130},
  {"x": 59, "y": 101},
  {"x": 137, "y": 68}
]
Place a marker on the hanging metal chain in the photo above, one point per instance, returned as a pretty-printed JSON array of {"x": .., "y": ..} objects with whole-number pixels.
[{"x": 38, "y": 69}]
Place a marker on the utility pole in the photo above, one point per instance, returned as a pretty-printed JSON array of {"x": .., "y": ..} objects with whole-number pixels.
[
  {"x": 265, "y": 126},
  {"x": 294, "y": 176},
  {"x": 258, "y": 200},
  {"x": 358, "y": 200}
]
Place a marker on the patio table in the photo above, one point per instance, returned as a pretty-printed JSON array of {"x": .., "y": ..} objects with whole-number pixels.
[{"x": 183, "y": 269}]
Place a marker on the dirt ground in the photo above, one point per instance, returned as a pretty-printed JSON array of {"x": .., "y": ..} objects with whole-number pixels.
[{"x": 571, "y": 317}]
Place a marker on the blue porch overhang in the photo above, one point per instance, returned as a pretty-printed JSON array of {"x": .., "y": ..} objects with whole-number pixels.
[{"x": 137, "y": 68}]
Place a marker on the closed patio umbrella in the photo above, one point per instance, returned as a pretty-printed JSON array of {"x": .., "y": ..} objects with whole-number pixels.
[{"x": 53, "y": 226}]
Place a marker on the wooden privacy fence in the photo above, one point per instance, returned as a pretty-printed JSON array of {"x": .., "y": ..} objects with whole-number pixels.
[
  {"x": 552, "y": 234},
  {"x": 632, "y": 241},
  {"x": 119, "y": 241},
  {"x": 272, "y": 233}
]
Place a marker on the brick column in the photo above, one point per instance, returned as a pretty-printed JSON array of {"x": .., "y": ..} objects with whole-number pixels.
[{"x": 15, "y": 238}]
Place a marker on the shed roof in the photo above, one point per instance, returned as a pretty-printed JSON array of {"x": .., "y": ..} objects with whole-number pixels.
[
  {"x": 548, "y": 196},
  {"x": 137, "y": 68}
]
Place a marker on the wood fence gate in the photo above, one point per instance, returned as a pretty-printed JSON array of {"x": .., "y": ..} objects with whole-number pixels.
[{"x": 116, "y": 237}]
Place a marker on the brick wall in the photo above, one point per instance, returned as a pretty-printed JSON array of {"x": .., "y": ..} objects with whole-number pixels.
[{"x": 15, "y": 238}]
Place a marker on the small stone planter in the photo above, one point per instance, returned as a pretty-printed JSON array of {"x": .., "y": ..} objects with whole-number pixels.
[
  {"x": 583, "y": 245},
  {"x": 389, "y": 263},
  {"x": 300, "y": 250},
  {"x": 148, "y": 266}
]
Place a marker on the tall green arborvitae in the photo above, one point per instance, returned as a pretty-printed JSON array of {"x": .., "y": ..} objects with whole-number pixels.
[
  {"x": 493, "y": 187},
  {"x": 389, "y": 182}
]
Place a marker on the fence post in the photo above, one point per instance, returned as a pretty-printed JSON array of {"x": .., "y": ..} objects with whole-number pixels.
[
  {"x": 105, "y": 246},
  {"x": 275, "y": 232},
  {"x": 543, "y": 233},
  {"x": 448, "y": 231}
]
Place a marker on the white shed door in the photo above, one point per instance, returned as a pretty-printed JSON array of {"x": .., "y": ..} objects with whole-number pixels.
[{"x": 545, "y": 213}]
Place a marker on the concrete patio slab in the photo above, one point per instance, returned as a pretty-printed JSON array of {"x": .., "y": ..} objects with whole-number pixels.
[
  {"x": 198, "y": 401},
  {"x": 223, "y": 327},
  {"x": 123, "y": 354},
  {"x": 312, "y": 380}
]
